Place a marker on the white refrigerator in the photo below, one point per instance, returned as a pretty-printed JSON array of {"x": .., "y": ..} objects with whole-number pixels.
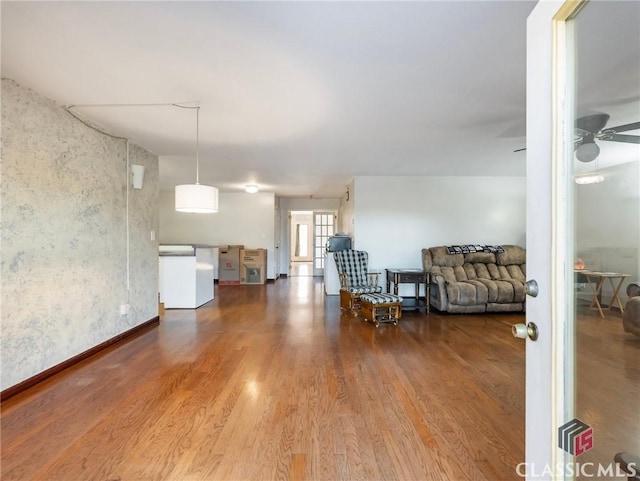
[{"x": 331, "y": 277}]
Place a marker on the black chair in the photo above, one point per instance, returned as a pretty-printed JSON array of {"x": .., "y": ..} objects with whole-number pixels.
[
  {"x": 631, "y": 314},
  {"x": 630, "y": 464}
]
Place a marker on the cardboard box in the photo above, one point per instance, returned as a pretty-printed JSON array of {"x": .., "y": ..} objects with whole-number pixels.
[
  {"x": 229, "y": 265},
  {"x": 253, "y": 266}
]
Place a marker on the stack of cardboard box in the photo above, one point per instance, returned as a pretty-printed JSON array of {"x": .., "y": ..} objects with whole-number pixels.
[
  {"x": 253, "y": 266},
  {"x": 229, "y": 265},
  {"x": 242, "y": 266}
]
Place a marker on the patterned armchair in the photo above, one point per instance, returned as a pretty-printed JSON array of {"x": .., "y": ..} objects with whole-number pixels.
[{"x": 355, "y": 278}]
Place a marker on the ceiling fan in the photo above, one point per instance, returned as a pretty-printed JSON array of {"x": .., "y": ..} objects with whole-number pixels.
[{"x": 592, "y": 127}]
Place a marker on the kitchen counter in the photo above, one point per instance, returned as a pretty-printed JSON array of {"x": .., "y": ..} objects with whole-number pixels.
[{"x": 186, "y": 275}]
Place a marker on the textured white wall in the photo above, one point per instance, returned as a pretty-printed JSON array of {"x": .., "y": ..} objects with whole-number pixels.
[
  {"x": 395, "y": 217},
  {"x": 64, "y": 240},
  {"x": 246, "y": 219}
]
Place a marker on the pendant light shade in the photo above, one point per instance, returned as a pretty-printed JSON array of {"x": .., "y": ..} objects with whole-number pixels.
[{"x": 197, "y": 198}]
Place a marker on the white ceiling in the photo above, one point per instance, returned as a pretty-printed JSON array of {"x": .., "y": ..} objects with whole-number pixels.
[{"x": 297, "y": 97}]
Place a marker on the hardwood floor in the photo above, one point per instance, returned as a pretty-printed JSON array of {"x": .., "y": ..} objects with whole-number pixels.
[{"x": 273, "y": 382}]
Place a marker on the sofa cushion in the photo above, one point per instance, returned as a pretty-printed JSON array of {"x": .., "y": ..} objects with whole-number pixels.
[
  {"x": 516, "y": 294},
  {"x": 446, "y": 272},
  {"x": 469, "y": 271},
  {"x": 511, "y": 255},
  {"x": 499, "y": 307},
  {"x": 516, "y": 272},
  {"x": 484, "y": 257},
  {"x": 440, "y": 257},
  {"x": 467, "y": 293},
  {"x": 481, "y": 271},
  {"x": 504, "y": 290}
]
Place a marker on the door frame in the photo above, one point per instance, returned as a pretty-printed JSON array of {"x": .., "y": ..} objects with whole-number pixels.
[
  {"x": 549, "y": 360},
  {"x": 313, "y": 213}
]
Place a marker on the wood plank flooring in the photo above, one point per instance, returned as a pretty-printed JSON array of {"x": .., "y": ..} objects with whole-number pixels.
[{"x": 274, "y": 382}]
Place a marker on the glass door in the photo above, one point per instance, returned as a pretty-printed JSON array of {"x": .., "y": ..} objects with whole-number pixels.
[
  {"x": 583, "y": 239},
  {"x": 604, "y": 198},
  {"x": 323, "y": 228}
]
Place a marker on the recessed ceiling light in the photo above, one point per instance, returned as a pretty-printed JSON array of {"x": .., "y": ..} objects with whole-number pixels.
[{"x": 251, "y": 188}]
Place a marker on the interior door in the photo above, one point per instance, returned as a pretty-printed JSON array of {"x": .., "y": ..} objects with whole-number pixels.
[
  {"x": 577, "y": 392},
  {"x": 276, "y": 241},
  {"x": 544, "y": 369},
  {"x": 323, "y": 228}
]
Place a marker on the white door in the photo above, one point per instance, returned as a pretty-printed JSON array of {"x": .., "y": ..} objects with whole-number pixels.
[
  {"x": 276, "y": 241},
  {"x": 582, "y": 60},
  {"x": 323, "y": 228}
]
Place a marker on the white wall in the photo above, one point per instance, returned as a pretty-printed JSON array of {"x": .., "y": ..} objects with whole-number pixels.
[
  {"x": 395, "y": 217},
  {"x": 64, "y": 236},
  {"x": 287, "y": 204},
  {"x": 346, "y": 212},
  {"x": 246, "y": 219}
]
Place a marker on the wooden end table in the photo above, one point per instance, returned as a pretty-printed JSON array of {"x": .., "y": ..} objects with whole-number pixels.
[
  {"x": 596, "y": 280},
  {"x": 410, "y": 276}
]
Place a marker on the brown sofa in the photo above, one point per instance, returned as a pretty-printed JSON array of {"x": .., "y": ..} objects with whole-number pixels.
[{"x": 476, "y": 282}]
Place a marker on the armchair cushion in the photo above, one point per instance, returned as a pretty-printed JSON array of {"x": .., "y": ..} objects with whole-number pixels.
[
  {"x": 353, "y": 266},
  {"x": 363, "y": 289}
]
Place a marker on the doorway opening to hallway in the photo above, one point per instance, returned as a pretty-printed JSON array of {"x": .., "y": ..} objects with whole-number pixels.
[{"x": 308, "y": 234}]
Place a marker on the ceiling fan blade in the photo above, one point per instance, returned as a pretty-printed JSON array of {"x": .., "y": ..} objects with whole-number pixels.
[
  {"x": 592, "y": 123},
  {"x": 632, "y": 139},
  {"x": 623, "y": 128}
]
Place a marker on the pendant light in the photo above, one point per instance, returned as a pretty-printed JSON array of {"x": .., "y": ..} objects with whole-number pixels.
[{"x": 197, "y": 198}]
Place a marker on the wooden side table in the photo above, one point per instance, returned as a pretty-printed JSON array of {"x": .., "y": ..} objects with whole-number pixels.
[
  {"x": 410, "y": 276},
  {"x": 596, "y": 280}
]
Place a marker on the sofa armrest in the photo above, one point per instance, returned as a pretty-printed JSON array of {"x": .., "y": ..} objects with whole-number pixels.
[{"x": 439, "y": 283}]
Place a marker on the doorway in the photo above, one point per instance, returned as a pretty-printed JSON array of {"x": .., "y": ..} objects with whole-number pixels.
[
  {"x": 308, "y": 234},
  {"x": 301, "y": 245}
]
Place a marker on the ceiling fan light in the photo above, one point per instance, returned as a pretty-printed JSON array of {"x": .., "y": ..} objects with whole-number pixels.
[
  {"x": 589, "y": 179},
  {"x": 251, "y": 188},
  {"x": 587, "y": 152},
  {"x": 196, "y": 199}
]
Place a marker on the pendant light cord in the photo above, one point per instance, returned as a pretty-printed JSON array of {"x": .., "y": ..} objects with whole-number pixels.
[
  {"x": 197, "y": 145},
  {"x": 197, "y": 137}
]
